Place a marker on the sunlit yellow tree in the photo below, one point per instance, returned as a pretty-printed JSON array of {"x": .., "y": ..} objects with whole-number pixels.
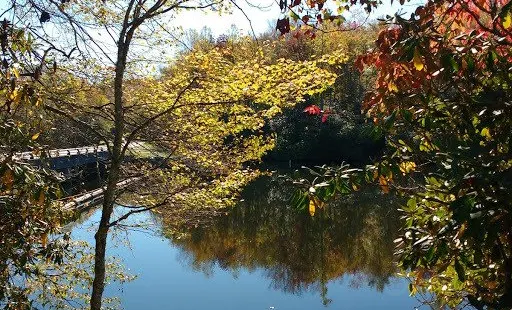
[{"x": 206, "y": 115}]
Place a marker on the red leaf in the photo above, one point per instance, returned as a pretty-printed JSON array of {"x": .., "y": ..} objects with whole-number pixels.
[
  {"x": 326, "y": 115},
  {"x": 312, "y": 110}
]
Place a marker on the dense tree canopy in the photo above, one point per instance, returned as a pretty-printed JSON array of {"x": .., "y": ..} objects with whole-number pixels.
[
  {"x": 442, "y": 97},
  {"x": 346, "y": 134},
  {"x": 335, "y": 130}
]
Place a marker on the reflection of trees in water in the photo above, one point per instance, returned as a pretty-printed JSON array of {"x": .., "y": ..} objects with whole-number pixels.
[{"x": 352, "y": 236}]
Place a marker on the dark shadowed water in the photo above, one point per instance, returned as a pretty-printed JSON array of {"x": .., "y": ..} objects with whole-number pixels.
[{"x": 265, "y": 255}]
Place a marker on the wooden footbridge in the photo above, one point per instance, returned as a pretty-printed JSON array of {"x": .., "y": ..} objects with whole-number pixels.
[
  {"x": 64, "y": 159},
  {"x": 68, "y": 160}
]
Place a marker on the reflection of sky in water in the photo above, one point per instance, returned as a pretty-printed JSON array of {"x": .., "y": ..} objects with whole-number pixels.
[{"x": 165, "y": 281}]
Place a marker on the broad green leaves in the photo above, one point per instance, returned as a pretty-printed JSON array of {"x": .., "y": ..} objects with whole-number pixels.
[
  {"x": 442, "y": 97},
  {"x": 444, "y": 132}
]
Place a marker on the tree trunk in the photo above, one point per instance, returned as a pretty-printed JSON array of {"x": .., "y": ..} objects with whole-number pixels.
[
  {"x": 101, "y": 238},
  {"x": 117, "y": 155}
]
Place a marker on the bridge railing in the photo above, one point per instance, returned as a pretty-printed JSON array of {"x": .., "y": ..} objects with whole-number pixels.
[{"x": 65, "y": 152}]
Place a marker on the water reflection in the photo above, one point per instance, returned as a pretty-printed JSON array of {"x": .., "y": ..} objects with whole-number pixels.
[{"x": 352, "y": 238}]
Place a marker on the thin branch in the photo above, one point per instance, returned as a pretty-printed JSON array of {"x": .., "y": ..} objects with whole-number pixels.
[
  {"x": 135, "y": 131},
  {"x": 7, "y": 10},
  {"x": 127, "y": 214},
  {"x": 248, "y": 19},
  {"x": 77, "y": 121}
]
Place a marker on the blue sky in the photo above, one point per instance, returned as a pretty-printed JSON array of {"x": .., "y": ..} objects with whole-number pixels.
[{"x": 261, "y": 19}]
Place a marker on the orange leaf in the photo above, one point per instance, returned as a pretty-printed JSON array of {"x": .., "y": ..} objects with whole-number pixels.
[{"x": 384, "y": 184}]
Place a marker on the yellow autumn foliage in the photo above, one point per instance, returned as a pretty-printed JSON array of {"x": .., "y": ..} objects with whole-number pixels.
[{"x": 216, "y": 104}]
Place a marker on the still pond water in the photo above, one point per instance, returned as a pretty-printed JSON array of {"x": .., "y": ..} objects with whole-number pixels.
[{"x": 264, "y": 255}]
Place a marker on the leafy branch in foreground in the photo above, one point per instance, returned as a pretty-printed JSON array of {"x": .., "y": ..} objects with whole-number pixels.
[
  {"x": 29, "y": 215},
  {"x": 443, "y": 99}
]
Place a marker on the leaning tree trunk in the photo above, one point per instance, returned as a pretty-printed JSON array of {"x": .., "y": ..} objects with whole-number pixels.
[
  {"x": 101, "y": 237},
  {"x": 117, "y": 155}
]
